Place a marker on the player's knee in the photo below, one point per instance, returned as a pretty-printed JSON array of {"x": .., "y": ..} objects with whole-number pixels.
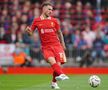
[{"x": 51, "y": 60}]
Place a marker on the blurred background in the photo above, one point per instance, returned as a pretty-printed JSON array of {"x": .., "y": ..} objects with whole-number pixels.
[{"x": 84, "y": 24}]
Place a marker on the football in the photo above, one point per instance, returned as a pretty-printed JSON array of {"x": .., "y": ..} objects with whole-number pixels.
[{"x": 94, "y": 81}]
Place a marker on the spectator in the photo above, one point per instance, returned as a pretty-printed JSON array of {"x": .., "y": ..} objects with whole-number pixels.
[
  {"x": 22, "y": 40},
  {"x": 20, "y": 58},
  {"x": 86, "y": 60},
  {"x": 24, "y": 19},
  {"x": 67, "y": 29},
  {"x": 79, "y": 15},
  {"x": 11, "y": 36},
  {"x": 5, "y": 19},
  {"x": 98, "y": 49},
  {"x": 106, "y": 50},
  {"x": 89, "y": 36},
  {"x": 36, "y": 12},
  {"x": 2, "y": 33},
  {"x": 75, "y": 36},
  {"x": 106, "y": 28},
  {"x": 35, "y": 49},
  {"x": 105, "y": 38},
  {"x": 81, "y": 47},
  {"x": 88, "y": 11}
]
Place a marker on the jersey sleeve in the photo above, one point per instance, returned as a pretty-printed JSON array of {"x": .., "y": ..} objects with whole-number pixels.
[
  {"x": 57, "y": 25},
  {"x": 33, "y": 25}
]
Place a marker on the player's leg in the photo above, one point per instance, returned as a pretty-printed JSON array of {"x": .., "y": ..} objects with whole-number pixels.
[
  {"x": 60, "y": 59},
  {"x": 55, "y": 74},
  {"x": 54, "y": 84},
  {"x": 57, "y": 71},
  {"x": 50, "y": 58},
  {"x": 56, "y": 68},
  {"x": 61, "y": 77}
]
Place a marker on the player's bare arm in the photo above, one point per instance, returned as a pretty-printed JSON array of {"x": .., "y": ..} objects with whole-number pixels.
[{"x": 60, "y": 35}]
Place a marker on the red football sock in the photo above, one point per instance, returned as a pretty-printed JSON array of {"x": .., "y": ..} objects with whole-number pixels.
[
  {"x": 54, "y": 75},
  {"x": 57, "y": 69}
]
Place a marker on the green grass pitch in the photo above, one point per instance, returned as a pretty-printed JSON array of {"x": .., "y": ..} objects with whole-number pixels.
[{"x": 42, "y": 82}]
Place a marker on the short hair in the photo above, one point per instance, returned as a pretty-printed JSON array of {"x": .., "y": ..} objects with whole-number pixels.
[{"x": 46, "y": 4}]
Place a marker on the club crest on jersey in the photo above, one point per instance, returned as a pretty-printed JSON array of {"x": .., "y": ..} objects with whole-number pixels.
[
  {"x": 40, "y": 24},
  {"x": 52, "y": 24}
]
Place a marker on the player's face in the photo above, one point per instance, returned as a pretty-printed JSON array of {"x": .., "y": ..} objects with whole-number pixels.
[{"x": 47, "y": 10}]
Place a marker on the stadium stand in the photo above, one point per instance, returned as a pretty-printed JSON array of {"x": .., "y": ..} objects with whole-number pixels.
[{"x": 81, "y": 24}]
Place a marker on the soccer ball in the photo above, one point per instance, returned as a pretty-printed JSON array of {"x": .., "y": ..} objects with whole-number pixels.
[{"x": 94, "y": 81}]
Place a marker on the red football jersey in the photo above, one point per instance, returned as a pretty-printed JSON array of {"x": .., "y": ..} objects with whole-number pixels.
[{"x": 47, "y": 30}]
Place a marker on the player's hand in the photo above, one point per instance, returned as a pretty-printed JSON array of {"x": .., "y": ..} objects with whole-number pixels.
[{"x": 29, "y": 31}]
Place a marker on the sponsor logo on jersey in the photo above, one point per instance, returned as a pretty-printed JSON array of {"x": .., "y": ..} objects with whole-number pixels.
[{"x": 46, "y": 31}]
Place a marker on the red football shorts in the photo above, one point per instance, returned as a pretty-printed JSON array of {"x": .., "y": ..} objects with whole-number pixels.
[{"x": 54, "y": 51}]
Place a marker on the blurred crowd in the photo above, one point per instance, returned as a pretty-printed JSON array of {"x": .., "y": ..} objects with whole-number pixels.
[{"x": 85, "y": 28}]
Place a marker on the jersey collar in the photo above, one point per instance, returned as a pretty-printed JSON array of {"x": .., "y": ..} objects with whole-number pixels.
[{"x": 42, "y": 18}]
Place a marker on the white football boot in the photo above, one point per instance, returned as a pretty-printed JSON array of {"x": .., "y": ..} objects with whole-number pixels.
[
  {"x": 61, "y": 77},
  {"x": 54, "y": 85}
]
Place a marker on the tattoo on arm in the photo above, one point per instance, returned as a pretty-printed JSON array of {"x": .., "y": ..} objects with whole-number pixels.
[{"x": 60, "y": 35}]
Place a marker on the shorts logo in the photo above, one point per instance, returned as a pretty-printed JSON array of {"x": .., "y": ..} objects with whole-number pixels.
[{"x": 42, "y": 31}]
